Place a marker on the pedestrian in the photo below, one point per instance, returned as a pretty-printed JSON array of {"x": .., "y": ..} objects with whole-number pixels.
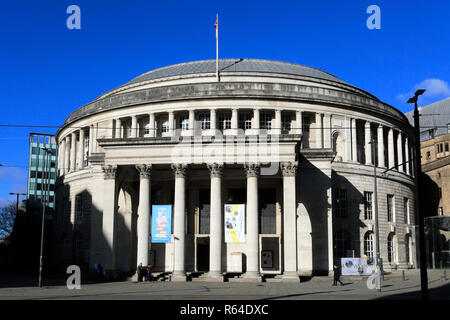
[
  {"x": 96, "y": 272},
  {"x": 139, "y": 272},
  {"x": 149, "y": 272},
  {"x": 337, "y": 275},
  {"x": 100, "y": 272}
]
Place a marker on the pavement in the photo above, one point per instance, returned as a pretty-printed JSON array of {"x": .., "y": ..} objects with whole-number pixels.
[{"x": 14, "y": 287}]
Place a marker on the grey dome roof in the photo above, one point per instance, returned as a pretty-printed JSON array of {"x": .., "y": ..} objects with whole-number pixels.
[{"x": 235, "y": 65}]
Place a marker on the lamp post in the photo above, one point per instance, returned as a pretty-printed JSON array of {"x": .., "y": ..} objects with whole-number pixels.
[
  {"x": 17, "y": 202},
  {"x": 418, "y": 171},
  {"x": 377, "y": 232},
  {"x": 47, "y": 151}
]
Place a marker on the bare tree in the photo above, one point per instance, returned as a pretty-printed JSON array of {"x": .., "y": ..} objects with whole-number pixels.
[{"x": 7, "y": 216}]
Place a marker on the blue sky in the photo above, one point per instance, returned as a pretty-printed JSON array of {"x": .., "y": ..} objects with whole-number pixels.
[{"x": 47, "y": 70}]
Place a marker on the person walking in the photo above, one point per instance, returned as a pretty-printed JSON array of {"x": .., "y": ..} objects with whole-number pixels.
[
  {"x": 337, "y": 275},
  {"x": 149, "y": 272},
  {"x": 139, "y": 272},
  {"x": 100, "y": 272}
]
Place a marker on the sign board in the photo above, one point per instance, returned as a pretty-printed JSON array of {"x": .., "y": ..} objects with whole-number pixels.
[
  {"x": 234, "y": 223},
  {"x": 161, "y": 223},
  {"x": 356, "y": 267}
]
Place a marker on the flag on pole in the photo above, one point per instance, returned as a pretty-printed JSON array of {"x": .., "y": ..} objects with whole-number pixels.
[{"x": 216, "y": 26}]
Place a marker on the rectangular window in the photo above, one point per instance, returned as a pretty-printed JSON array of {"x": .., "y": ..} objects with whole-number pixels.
[
  {"x": 183, "y": 123},
  {"x": 245, "y": 121},
  {"x": 446, "y": 147},
  {"x": 265, "y": 121},
  {"x": 368, "y": 209},
  {"x": 268, "y": 213},
  {"x": 286, "y": 123},
  {"x": 428, "y": 155},
  {"x": 390, "y": 207},
  {"x": 205, "y": 121},
  {"x": 441, "y": 211},
  {"x": 440, "y": 193},
  {"x": 224, "y": 121},
  {"x": 165, "y": 126},
  {"x": 406, "y": 210},
  {"x": 340, "y": 203},
  {"x": 78, "y": 209},
  {"x": 306, "y": 122}
]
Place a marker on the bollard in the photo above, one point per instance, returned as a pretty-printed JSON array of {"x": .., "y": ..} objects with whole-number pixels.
[
  {"x": 445, "y": 274},
  {"x": 403, "y": 275}
]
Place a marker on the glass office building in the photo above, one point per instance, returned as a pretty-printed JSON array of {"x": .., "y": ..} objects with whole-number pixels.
[{"x": 38, "y": 170}]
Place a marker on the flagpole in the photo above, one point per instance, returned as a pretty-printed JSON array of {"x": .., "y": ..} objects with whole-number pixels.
[{"x": 217, "y": 48}]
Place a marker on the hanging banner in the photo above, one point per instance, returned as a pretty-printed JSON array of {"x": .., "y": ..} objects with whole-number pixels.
[
  {"x": 234, "y": 223},
  {"x": 161, "y": 223}
]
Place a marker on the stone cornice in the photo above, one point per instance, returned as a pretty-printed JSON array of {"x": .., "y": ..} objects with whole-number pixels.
[{"x": 243, "y": 90}]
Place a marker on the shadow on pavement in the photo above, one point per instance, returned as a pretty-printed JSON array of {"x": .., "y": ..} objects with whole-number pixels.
[{"x": 439, "y": 293}]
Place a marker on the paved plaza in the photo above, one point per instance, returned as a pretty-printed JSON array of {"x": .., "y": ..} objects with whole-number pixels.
[{"x": 317, "y": 288}]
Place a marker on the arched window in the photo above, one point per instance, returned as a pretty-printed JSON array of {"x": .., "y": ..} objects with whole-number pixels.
[
  {"x": 390, "y": 246},
  {"x": 341, "y": 243},
  {"x": 368, "y": 244}
]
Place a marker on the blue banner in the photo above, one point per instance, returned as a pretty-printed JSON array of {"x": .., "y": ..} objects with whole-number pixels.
[{"x": 161, "y": 223}]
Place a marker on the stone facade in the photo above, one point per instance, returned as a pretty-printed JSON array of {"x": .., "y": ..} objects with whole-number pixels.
[{"x": 295, "y": 149}]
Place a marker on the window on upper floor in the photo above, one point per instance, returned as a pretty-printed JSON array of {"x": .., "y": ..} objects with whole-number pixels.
[
  {"x": 286, "y": 120},
  {"x": 446, "y": 147},
  {"x": 205, "y": 121},
  {"x": 428, "y": 155},
  {"x": 406, "y": 210},
  {"x": 390, "y": 207},
  {"x": 306, "y": 123},
  {"x": 165, "y": 126},
  {"x": 265, "y": 121},
  {"x": 245, "y": 121},
  {"x": 340, "y": 202},
  {"x": 224, "y": 121},
  {"x": 183, "y": 122},
  {"x": 368, "y": 205}
]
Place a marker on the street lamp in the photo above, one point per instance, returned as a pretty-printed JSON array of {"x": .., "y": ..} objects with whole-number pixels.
[
  {"x": 17, "y": 203},
  {"x": 47, "y": 151},
  {"x": 418, "y": 171},
  {"x": 377, "y": 232}
]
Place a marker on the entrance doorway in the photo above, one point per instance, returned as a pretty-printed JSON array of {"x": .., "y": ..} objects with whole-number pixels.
[{"x": 202, "y": 254}]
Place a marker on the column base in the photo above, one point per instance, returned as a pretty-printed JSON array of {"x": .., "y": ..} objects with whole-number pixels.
[
  {"x": 251, "y": 276},
  {"x": 290, "y": 276},
  {"x": 213, "y": 277},
  {"x": 178, "y": 278}
]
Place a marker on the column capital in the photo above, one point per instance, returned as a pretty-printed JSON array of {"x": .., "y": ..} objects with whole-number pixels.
[
  {"x": 215, "y": 169},
  {"x": 252, "y": 169},
  {"x": 179, "y": 170},
  {"x": 110, "y": 171},
  {"x": 145, "y": 170},
  {"x": 289, "y": 169}
]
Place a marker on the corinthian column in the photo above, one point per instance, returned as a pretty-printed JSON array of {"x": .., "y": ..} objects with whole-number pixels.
[
  {"x": 380, "y": 142},
  {"x": 216, "y": 225},
  {"x": 252, "y": 170},
  {"x": 67, "y": 155},
  {"x": 179, "y": 225},
  {"x": 109, "y": 215},
  {"x": 289, "y": 170},
  {"x": 391, "y": 157},
  {"x": 400, "y": 152},
  {"x": 81, "y": 150},
  {"x": 73, "y": 151},
  {"x": 143, "y": 220},
  {"x": 367, "y": 145}
]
